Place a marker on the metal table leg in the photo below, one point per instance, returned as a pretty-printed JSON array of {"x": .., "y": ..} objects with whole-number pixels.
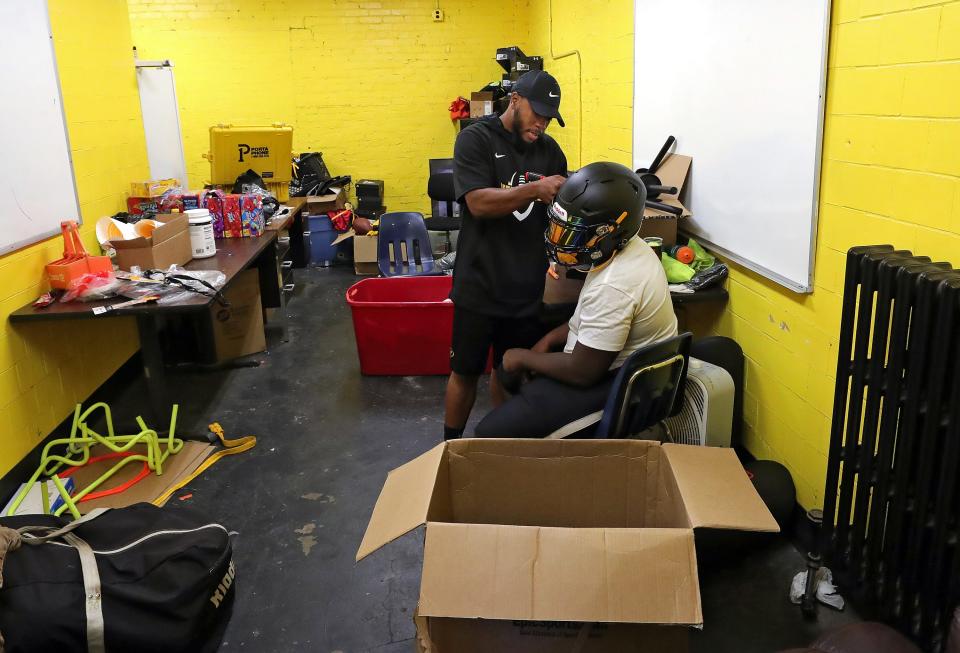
[{"x": 152, "y": 356}]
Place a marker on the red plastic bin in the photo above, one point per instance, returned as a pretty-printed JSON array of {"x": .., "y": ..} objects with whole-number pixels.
[{"x": 402, "y": 325}]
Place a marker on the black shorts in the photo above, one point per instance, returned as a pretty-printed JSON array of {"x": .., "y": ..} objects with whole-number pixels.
[{"x": 474, "y": 334}]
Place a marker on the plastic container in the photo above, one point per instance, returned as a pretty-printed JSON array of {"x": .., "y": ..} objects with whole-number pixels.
[
  {"x": 322, "y": 234},
  {"x": 202, "y": 243},
  {"x": 265, "y": 149},
  {"x": 402, "y": 325}
]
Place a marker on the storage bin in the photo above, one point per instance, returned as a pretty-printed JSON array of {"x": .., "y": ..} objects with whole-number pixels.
[
  {"x": 402, "y": 325},
  {"x": 267, "y": 150},
  {"x": 323, "y": 253}
]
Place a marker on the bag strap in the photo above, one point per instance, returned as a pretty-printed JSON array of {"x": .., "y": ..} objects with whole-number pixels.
[
  {"x": 88, "y": 567},
  {"x": 9, "y": 541},
  {"x": 92, "y": 589},
  {"x": 231, "y": 447}
]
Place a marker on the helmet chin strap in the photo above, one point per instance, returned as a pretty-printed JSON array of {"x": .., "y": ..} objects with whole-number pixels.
[
  {"x": 600, "y": 266},
  {"x": 616, "y": 250}
]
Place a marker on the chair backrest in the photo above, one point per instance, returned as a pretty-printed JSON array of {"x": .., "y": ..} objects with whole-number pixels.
[
  {"x": 441, "y": 191},
  {"x": 403, "y": 245},
  {"x": 648, "y": 388}
]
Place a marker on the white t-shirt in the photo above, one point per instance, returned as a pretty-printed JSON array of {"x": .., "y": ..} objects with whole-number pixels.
[{"x": 624, "y": 305}]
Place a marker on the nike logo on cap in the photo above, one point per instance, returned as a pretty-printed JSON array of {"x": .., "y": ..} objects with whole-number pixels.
[
  {"x": 553, "y": 94},
  {"x": 499, "y": 156}
]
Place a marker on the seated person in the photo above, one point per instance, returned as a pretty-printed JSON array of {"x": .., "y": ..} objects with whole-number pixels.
[{"x": 623, "y": 306}]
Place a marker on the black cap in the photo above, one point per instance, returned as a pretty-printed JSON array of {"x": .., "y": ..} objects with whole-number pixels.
[{"x": 542, "y": 91}]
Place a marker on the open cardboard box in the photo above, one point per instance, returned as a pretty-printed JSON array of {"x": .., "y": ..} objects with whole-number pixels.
[
  {"x": 525, "y": 537},
  {"x": 364, "y": 252},
  {"x": 168, "y": 245},
  {"x": 672, "y": 172}
]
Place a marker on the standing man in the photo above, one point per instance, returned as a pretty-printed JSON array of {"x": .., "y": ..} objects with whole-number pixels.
[{"x": 506, "y": 172}]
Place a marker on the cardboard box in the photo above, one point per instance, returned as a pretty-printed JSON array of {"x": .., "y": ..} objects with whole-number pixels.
[
  {"x": 365, "y": 260},
  {"x": 141, "y": 205},
  {"x": 585, "y": 531},
  {"x": 440, "y": 635},
  {"x": 152, "y": 188},
  {"x": 672, "y": 172},
  {"x": 169, "y": 245},
  {"x": 481, "y": 104},
  {"x": 32, "y": 503},
  {"x": 252, "y": 222},
  {"x": 322, "y": 203},
  {"x": 365, "y": 255},
  {"x": 238, "y": 328}
]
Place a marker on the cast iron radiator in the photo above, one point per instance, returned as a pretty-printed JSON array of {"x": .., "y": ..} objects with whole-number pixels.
[{"x": 892, "y": 495}]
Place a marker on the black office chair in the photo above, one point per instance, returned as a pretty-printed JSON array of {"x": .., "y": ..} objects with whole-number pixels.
[
  {"x": 441, "y": 190},
  {"x": 648, "y": 388}
]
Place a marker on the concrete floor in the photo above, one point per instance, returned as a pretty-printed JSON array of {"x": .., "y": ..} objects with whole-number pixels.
[{"x": 300, "y": 500}]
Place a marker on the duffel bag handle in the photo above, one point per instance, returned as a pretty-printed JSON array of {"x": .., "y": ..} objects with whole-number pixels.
[{"x": 11, "y": 539}]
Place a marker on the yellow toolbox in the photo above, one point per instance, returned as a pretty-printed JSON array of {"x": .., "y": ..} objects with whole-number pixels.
[{"x": 265, "y": 150}]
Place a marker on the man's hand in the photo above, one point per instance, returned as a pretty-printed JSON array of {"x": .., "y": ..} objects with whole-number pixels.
[
  {"x": 547, "y": 187},
  {"x": 513, "y": 360}
]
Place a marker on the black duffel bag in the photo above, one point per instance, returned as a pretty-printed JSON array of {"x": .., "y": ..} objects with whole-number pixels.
[{"x": 140, "y": 578}]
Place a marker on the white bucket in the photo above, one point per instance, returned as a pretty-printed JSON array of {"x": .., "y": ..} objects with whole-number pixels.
[{"x": 201, "y": 233}]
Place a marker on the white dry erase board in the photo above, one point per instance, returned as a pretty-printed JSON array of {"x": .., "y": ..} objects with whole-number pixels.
[
  {"x": 37, "y": 188},
  {"x": 740, "y": 83}
]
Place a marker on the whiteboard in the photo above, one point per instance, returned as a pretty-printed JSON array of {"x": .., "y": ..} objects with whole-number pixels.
[
  {"x": 740, "y": 83},
  {"x": 37, "y": 188},
  {"x": 161, "y": 120}
]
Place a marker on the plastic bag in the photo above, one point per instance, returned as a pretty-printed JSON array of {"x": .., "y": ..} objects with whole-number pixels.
[
  {"x": 341, "y": 220},
  {"x": 826, "y": 590},
  {"x": 309, "y": 172},
  {"x": 250, "y": 183},
  {"x": 702, "y": 259},
  {"x": 173, "y": 285},
  {"x": 92, "y": 287},
  {"x": 708, "y": 278},
  {"x": 676, "y": 271},
  {"x": 459, "y": 108},
  {"x": 447, "y": 261}
]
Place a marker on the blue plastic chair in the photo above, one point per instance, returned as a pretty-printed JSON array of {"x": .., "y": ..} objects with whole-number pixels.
[
  {"x": 648, "y": 388},
  {"x": 403, "y": 247}
]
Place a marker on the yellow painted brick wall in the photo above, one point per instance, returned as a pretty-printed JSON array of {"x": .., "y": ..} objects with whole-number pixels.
[
  {"x": 367, "y": 83},
  {"x": 603, "y": 33},
  {"x": 46, "y": 368},
  {"x": 891, "y": 174}
]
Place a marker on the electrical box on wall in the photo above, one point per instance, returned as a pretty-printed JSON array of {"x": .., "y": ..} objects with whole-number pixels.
[{"x": 438, "y": 15}]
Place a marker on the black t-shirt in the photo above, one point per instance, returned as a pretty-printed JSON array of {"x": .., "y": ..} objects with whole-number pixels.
[{"x": 501, "y": 261}]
